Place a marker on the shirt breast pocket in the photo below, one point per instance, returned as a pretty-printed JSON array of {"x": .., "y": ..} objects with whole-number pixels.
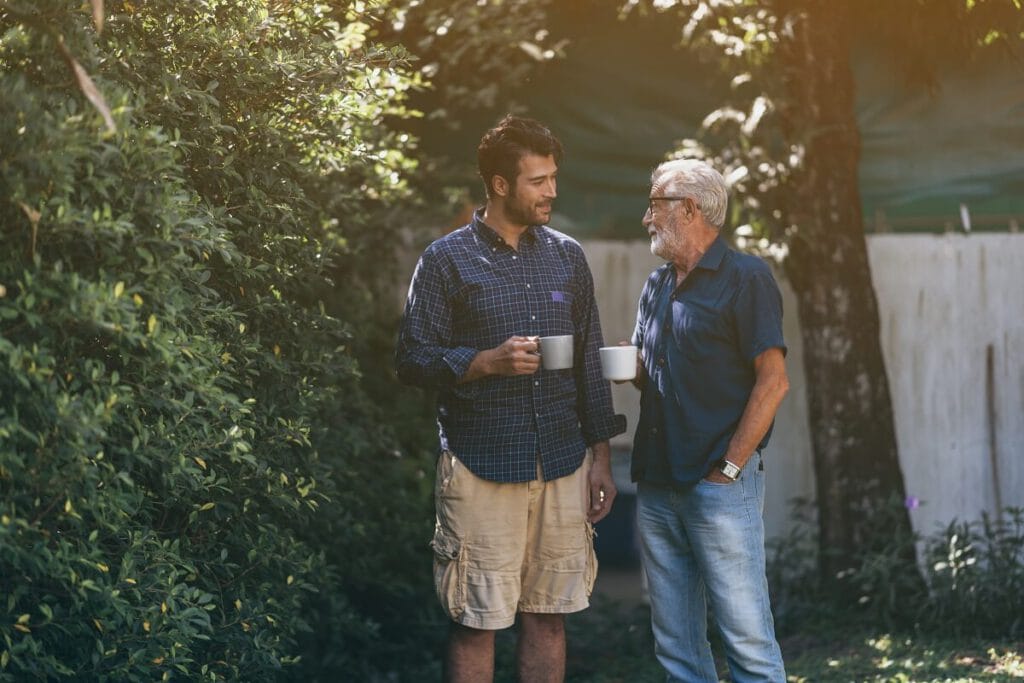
[
  {"x": 557, "y": 308},
  {"x": 699, "y": 333}
]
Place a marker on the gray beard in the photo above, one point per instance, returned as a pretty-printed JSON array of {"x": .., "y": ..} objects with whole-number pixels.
[{"x": 661, "y": 248}]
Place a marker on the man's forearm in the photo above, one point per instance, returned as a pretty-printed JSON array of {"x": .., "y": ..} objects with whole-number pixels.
[
  {"x": 769, "y": 390},
  {"x": 757, "y": 417},
  {"x": 479, "y": 368}
]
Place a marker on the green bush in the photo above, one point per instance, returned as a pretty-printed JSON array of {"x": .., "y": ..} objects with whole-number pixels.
[
  {"x": 194, "y": 482},
  {"x": 973, "y": 578},
  {"x": 976, "y": 572}
]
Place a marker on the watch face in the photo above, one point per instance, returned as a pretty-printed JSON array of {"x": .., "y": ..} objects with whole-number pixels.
[{"x": 730, "y": 470}]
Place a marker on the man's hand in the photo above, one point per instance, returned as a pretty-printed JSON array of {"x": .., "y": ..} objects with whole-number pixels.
[
  {"x": 602, "y": 486},
  {"x": 715, "y": 476},
  {"x": 515, "y": 356}
]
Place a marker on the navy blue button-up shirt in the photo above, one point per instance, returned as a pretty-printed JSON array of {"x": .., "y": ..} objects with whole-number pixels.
[
  {"x": 698, "y": 343},
  {"x": 471, "y": 291}
]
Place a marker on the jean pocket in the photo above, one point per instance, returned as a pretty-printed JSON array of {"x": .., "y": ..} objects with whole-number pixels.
[{"x": 718, "y": 484}]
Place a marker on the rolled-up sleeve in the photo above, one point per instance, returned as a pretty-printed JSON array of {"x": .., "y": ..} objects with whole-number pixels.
[
  {"x": 598, "y": 421},
  {"x": 423, "y": 355}
]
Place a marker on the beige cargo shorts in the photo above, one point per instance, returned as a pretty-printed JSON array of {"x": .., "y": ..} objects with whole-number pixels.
[{"x": 503, "y": 548}]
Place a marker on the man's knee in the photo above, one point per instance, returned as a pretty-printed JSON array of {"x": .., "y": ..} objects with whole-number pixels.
[
  {"x": 470, "y": 655},
  {"x": 542, "y": 624},
  {"x": 466, "y": 635}
]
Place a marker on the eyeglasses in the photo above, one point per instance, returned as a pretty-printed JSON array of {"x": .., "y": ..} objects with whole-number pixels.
[{"x": 651, "y": 200}]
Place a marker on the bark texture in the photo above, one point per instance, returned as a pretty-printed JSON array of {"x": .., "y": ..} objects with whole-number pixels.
[{"x": 856, "y": 459}]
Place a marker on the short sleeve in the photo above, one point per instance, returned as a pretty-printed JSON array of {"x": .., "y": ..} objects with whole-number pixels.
[{"x": 758, "y": 315}]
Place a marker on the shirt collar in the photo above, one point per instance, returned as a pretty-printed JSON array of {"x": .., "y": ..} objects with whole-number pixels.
[
  {"x": 491, "y": 236},
  {"x": 712, "y": 258}
]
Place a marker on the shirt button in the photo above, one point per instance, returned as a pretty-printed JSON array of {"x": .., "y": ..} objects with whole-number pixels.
[
  {"x": 661, "y": 362},
  {"x": 536, "y": 383},
  {"x": 537, "y": 415},
  {"x": 527, "y": 285},
  {"x": 533, "y": 317},
  {"x": 654, "y": 430},
  {"x": 514, "y": 257}
]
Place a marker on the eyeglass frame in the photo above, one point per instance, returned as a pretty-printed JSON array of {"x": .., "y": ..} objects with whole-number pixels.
[{"x": 667, "y": 198}]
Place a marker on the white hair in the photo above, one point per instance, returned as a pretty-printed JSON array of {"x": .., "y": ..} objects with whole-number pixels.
[{"x": 697, "y": 180}]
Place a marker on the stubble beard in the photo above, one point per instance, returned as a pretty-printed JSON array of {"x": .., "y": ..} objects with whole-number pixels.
[{"x": 523, "y": 215}]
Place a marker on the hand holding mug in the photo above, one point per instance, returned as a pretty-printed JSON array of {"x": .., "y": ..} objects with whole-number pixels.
[{"x": 516, "y": 355}]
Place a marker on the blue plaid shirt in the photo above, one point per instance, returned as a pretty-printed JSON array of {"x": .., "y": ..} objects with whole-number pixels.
[{"x": 471, "y": 291}]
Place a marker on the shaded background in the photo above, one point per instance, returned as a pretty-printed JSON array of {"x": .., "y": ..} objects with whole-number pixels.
[{"x": 622, "y": 97}]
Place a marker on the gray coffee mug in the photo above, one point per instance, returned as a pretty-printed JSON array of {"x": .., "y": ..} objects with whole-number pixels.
[{"x": 556, "y": 352}]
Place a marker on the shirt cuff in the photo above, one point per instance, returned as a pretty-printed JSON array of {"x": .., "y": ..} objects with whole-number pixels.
[
  {"x": 605, "y": 429},
  {"x": 458, "y": 361}
]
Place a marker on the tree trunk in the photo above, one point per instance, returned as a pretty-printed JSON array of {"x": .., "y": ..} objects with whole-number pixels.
[{"x": 856, "y": 461}]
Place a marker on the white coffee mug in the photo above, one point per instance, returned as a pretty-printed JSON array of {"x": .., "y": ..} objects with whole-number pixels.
[
  {"x": 618, "y": 362},
  {"x": 556, "y": 352}
]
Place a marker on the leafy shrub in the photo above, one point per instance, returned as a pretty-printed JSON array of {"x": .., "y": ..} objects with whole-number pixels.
[
  {"x": 194, "y": 482},
  {"x": 970, "y": 580},
  {"x": 976, "y": 575}
]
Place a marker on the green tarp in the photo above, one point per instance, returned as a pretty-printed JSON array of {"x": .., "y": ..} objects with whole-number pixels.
[{"x": 624, "y": 95}]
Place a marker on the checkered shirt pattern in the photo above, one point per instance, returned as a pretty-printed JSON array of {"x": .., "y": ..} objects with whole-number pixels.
[{"x": 470, "y": 292}]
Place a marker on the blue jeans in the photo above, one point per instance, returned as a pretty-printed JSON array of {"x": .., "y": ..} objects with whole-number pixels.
[{"x": 705, "y": 546}]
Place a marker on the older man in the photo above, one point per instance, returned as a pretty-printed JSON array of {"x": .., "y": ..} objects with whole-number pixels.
[{"x": 709, "y": 329}]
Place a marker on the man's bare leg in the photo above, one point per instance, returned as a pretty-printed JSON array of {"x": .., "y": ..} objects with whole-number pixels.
[
  {"x": 470, "y": 655},
  {"x": 541, "y": 649}
]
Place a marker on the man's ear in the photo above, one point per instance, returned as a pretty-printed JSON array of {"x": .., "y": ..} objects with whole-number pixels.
[{"x": 499, "y": 185}]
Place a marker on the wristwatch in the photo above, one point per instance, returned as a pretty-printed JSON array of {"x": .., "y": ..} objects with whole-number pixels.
[{"x": 729, "y": 469}]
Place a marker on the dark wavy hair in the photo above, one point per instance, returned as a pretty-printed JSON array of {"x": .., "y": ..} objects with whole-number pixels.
[{"x": 503, "y": 146}]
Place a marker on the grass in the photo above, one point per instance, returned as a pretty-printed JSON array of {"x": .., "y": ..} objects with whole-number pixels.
[
  {"x": 896, "y": 658},
  {"x": 611, "y": 643}
]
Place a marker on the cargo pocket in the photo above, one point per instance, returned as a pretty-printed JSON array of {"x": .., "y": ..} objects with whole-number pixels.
[
  {"x": 590, "y": 573},
  {"x": 449, "y": 572}
]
